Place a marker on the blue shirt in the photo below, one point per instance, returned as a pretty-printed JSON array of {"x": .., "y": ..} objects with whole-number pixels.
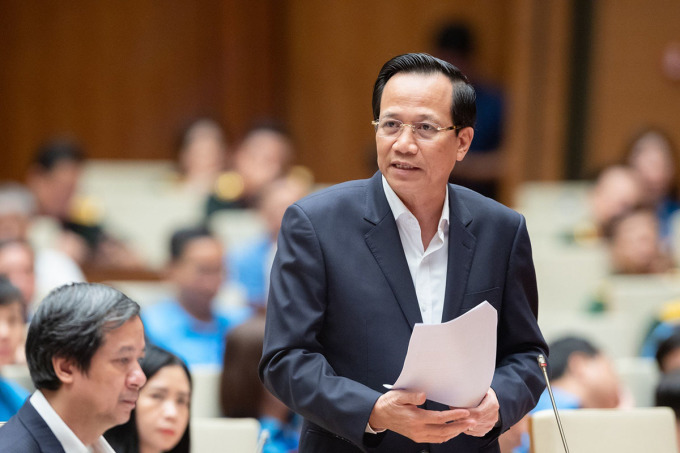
[
  {"x": 12, "y": 397},
  {"x": 248, "y": 266},
  {"x": 563, "y": 400},
  {"x": 283, "y": 438},
  {"x": 168, "y": 325}
]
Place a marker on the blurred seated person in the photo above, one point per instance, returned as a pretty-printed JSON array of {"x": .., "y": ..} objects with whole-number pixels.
[
  {"x": 243, "y": 395},
  {"x": 635, "y": 245},
  {"x": 52, "y": 267},
  {"x": 17, "y": 264},
  {"x": 203, "y": 155},
  {"x": 512, "y": 438},
  {"x": 667, "y": 394},
  {"x": 668, "y": 353},
  {"x": 53, "y": 180},
  {"x": 616, "y": 190},
  {"x": 481, "y": 169},
  {"x": 160, "y": 421},
  {"x": 651, "y": 154},
  {"x": 264, "y": 155},
  {"x": 250, "y": 264},
  {"x": 581, "y": 377},
  {"x": 12, "y": 328},
  {"x": 189, "y": 324}
]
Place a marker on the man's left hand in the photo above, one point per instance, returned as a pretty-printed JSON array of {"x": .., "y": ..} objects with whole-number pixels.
[{"x": 485, "y": 415}]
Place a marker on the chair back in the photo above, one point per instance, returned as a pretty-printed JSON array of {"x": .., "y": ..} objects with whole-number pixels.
[
  {"x": 603, "y": 430},
  {"x": 217, "y": 435}
]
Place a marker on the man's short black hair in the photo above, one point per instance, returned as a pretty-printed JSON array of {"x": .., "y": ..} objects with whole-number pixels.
[
  {"x": 71, "y": 323},
  {"x": 561, "y": 350},
  {"x": 181, "y": 238},
  {"x": 54, "y": 152},
  {"x": 463, "y": 108}
]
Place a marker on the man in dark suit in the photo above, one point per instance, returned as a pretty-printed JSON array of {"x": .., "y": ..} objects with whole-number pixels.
[
  {"x": 83, "y": 347},
  {"x": 360, "y": 263}
]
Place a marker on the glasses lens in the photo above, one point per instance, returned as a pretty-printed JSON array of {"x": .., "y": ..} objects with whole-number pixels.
[
  {"x": 389, "y": 128},
  {"x": 426, "y": 131}
]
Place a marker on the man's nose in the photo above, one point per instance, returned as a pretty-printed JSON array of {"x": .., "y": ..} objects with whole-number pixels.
[
  {"x": 136, "y": 377},
  {"x": 406, "y": 140}
]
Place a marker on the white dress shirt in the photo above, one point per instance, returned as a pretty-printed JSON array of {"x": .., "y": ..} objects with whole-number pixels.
[
  {"x": 427, "y": 266},
  {"x": 69, "y": 441}
]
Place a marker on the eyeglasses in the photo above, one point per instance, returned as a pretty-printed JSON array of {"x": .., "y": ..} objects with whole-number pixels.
[{"x": 391, "y": 128}]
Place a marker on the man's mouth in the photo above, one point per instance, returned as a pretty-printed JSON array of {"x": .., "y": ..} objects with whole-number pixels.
[{"x": 402, "y": 166}]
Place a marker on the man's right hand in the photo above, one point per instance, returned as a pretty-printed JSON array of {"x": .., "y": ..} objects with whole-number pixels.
[{"x": 398, "y": 411}]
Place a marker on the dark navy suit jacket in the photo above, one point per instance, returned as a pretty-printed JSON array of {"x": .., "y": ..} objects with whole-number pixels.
[
  {"x": 342, "y": 307},
  {"x": 27, "y": 432}
]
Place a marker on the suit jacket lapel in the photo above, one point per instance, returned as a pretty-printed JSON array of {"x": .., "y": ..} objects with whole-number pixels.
[
  {"x": 461, "y": 250},
  {"x": 384, "y": 242},
  {"x": 38, "y": 428}
]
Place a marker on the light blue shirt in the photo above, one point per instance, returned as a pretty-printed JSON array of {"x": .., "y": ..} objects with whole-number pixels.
[
  {"x": 168, "y": 325},
  {"x": 12, "y": 397}
]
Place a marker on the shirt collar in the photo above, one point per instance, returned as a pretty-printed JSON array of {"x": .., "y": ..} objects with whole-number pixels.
[
  {"x": 68, "y": 440},
  {"x": 399, "y": 208}
]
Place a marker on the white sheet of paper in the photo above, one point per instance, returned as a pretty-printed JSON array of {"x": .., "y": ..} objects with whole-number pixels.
[{"x": 453, "y": 362}]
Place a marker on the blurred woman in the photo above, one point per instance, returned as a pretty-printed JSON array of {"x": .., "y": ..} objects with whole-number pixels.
[
  {"x": 160, "y": 421},
  {"x": 12, "y": 328},
  {"x": 243, "y": 395}
]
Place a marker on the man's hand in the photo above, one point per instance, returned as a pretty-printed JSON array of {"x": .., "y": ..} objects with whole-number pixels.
[
  {"x": 484, "y": 416},
  {"x": 398, "y": 411}
]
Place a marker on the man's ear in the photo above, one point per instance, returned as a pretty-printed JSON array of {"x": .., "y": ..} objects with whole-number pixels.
[
  {"x": 464, "y": 141},
  {"x": 64, "y": 369}
]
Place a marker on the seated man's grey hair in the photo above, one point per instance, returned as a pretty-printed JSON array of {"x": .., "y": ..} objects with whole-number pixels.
[{"x": 71, "y": 323}]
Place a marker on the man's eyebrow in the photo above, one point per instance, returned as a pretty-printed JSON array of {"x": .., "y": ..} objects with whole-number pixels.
[{"x": 127, "y": 349}]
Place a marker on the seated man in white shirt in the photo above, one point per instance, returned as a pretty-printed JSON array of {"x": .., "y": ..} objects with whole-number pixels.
[{"x": 83, "y": 347}]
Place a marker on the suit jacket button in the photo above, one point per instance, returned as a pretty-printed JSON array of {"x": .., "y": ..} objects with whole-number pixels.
[{"x": 424, "y": 451}]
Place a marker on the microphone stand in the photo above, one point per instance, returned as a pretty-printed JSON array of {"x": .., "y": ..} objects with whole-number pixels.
[{"x": 544, "y": 365}]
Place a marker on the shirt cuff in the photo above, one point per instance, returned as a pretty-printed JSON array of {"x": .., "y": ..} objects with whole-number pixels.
[{"x": 370, "y": 430}]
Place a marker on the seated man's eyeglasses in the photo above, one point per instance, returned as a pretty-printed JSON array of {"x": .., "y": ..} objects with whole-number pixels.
[{"x": 391, "y": 128}]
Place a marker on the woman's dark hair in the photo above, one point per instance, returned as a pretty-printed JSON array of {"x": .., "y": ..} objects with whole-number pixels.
[
  {"x": 240, "y": 388},
  {"x": 668, "y": 392},
  {"x": 463, "y": 108},
  {"x": 125, "y": 438}
]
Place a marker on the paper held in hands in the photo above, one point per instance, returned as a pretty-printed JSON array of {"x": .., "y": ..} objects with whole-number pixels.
[{"x": 452, "y": 362}]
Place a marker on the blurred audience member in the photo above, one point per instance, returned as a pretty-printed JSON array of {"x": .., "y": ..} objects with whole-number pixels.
[
  {"x": 52, "y": 267},
  {"x": 617, "y": 190},
  {"x": 668, "y": 351},
  {"x": 263, "y": 156},
  {"x": 481, "y": 170},
  {"x": 651, "y": 155},
  {"x": 12, "y": 329},
  {"x": 581, "y": 376},
  {"x": 189, "y": 324},
  {"x": 53, "y": 179},
  {"x": 250, "y": 264},
  {"x": 635, "y": 244},
  {"x": 668, "y": 395},
  {"x": 17, "y": 264},
  {"x": 243, "y": 395},
  {"x": 203, "y": 155},
  {"x": 160, "y": 421},
  {"x": 512, "y": 438}
]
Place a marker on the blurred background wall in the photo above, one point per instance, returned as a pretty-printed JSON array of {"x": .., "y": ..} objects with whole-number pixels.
[{"x": 124, "y": 76}]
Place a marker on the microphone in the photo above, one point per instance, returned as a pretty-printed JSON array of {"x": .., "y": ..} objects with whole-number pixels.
[{"x": 544, "y": 365}]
